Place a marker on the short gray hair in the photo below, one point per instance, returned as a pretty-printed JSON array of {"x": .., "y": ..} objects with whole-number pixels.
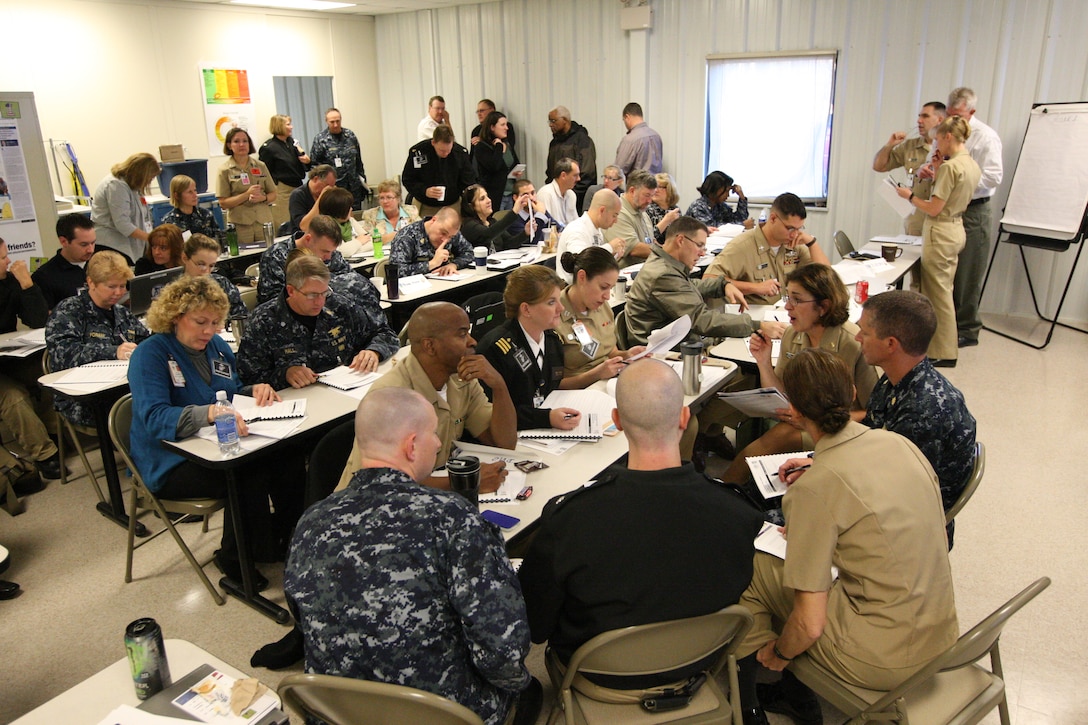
[
  {"x": 962, "y": 96},
  {"x": 562, "y": 112}
]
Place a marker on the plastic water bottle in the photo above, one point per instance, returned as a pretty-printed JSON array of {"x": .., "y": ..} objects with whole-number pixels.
[
  {"x": 763, "y": 215},
  {"x": 376, "y": 238},
  {"x": 226, "y": 426}
]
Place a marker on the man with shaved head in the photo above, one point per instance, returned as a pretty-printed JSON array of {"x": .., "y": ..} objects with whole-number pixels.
[
  {"x": 648, "y": 542},
  {"x": 396, "y": 582},
  {"x": 588, "y": 229},
  {"x": 444, "y": 368}
]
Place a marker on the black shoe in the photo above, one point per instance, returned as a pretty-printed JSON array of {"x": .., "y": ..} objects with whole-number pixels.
[
  {"x": 698, "y": 453},
  {"x": 720, "y": 446},
  {"x": 232, "y": 568},
  {"x": 801, "y": 704},
  {"x": 529, "y": 703},
  {"x": 755, "y": 716},
  {"x": 9, "y": 590},
  {"x": 50, "y": 467},
  {"x": 967, "y": 342},
  {"x": 943, "y": 363},
  {"x": 283, "y": 653}
]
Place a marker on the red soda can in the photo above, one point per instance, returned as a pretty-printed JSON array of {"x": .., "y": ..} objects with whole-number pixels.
[{"x": 861, "y": 291}]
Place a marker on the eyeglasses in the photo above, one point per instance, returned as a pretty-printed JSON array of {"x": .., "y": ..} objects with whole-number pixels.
[
  {"x": 315, "y": 295},
  {"x": 787, "y": 300},
  {"x": 553, "y": 121},
  {"x": 793, "y": 230},
  {"x": 611, "y": 178},
  {"x": 689, "y": 239}
]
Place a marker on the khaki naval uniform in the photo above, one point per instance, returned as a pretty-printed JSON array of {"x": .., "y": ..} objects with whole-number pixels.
[
  {"x": 465, "y": 406},
  {"x": 910, "y": 155},
  {"x": 943, "y": 238},
  {"x": 587, "y": 346},
  {"x": 249, "y": 217},
  {"x": 839, "y": 340},
  {"x": 892, "y": 608},
  {"x": 751, "y": 258}
]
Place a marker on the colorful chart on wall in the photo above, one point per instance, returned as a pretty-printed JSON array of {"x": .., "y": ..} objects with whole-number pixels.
[{"x": 227, "y": 104}]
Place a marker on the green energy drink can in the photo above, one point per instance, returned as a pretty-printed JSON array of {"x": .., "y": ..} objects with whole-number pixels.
[{"x": 147, "y": 657}]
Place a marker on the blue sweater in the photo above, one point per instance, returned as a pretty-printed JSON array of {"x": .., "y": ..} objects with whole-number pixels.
[{"x": 157, "y": 404}]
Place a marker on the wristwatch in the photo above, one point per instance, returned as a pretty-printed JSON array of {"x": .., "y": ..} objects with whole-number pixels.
[{"x": 811, "y": 243}]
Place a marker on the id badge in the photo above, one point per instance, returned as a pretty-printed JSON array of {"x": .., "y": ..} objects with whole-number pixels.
[
  {"x": 221, "y": 368},
  {"x": 337, "y": 162},
  {"x": 244, "y": 179},
  {"x": 538, "y": 400},
  {"x": 176, "y": 376},
  {"x": 417, "y": 162}
]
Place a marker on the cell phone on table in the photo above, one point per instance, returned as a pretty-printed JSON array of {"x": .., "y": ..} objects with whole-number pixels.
[
  {"x": 501, "y": 520},
  {"x": 863, "y": 255}
]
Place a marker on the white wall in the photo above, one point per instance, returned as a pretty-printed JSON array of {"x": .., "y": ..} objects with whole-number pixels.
[
  {"x": 122, "y": 77},
  {"x": 530, "y": 55}
]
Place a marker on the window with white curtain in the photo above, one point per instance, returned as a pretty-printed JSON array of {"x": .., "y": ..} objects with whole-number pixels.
[{"x": 769, "y": 122}]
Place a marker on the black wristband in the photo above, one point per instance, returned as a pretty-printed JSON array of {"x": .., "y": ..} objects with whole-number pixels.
[
  {"x": 779, "y": 655},
  {"x": 812, "y": 242}
]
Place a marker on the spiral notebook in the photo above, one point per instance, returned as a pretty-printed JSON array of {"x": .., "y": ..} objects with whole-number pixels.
[
  {"x": 281, "y": 410},
  {"x": 344, "y": 378},
  {"x": 765, "y": 472},
  {"x": 595, "y": 407}
]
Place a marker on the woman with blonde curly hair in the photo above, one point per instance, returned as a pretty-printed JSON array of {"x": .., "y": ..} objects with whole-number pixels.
[{"x": 174, "y": 377}]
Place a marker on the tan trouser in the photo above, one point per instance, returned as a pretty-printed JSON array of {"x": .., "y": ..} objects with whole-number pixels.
[
  {"x": 771, "y": 602},
  {"x": 940, "y": 256},
  {"x": 21, "y": 422},
  {"x": 280, "y": 210}
]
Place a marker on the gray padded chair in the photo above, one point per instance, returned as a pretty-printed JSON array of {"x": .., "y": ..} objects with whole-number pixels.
[
  {"x": 344, "y": 701},
  {"x": 646, "y": 649},
  {"x": 952, "y": 689},
  {"x": 120, "y": 423}
]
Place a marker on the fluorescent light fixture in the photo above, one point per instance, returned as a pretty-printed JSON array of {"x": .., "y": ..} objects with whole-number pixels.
[{"x": 295, "y": 4}]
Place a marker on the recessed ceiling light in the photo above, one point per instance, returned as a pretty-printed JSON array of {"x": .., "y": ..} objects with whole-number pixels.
[{"x": 296, "y": 4}]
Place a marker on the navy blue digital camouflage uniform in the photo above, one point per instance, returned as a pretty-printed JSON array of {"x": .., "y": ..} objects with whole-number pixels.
[
  {"x": 931, "y": 413},
  {"x": 396, "y": 582},
  {"x": 201, "y": 221},
  {"x": 80, "y": 332},
  {"x": 327, "y": 148},
  {"x": 273, "y": 269},
  {"x": 360, "y": 294},
  {"x": 237, "y": 306},
  {"x": 718, "y": 215},
  {"x": 275, "y": 340},
  {"x": 411, "y": 250}
]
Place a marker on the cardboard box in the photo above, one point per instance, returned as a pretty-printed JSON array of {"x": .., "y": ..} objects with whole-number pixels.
[{"x": 171, "y": 152}]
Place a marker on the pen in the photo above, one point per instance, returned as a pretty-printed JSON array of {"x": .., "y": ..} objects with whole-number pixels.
[
  {"x": 761, "y": 337},
  {"x": 791, "y": 471},
  {"x": 568, "y": 416}
]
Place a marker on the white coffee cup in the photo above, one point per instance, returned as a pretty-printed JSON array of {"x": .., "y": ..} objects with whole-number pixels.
[{"x": 481, "y": 256}]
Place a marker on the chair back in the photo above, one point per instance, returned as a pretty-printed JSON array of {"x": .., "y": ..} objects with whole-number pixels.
[
  {"x": 977, "y": 470},
  {"x": 379, "y": 268},
  {"x": 662, "y": 646},
  {"x": 47, "y": 364},
  {"x": 969, "y": 648},
  {"x": 843, "y": 244},
  {"x": 253, "y": 270},
  {"x": 486, "y": 311},
  {"x": 345, "y": 701},
  {"x": 120, "y": 424},
  {"x": 327, "y": 462},
  {"x": 621, "y": 330},
  {"x": 249, "y": 298}
]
